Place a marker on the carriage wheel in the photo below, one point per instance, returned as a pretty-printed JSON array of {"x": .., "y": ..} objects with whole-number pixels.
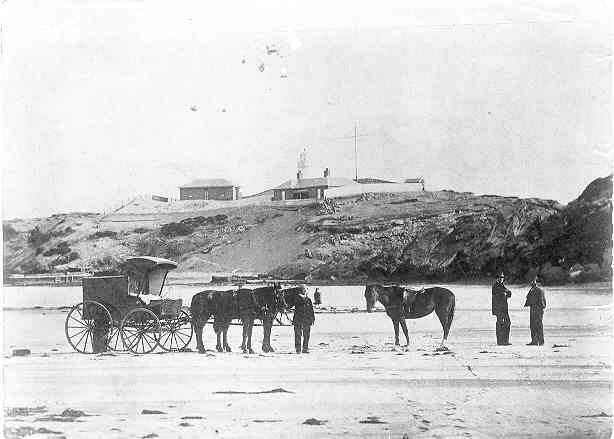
[
  {"x": 115, "y": 342},
  {"x": 87, "y": 327},
  {"x": 140, "y": 331},
  {"x": 176, "y": 333}
]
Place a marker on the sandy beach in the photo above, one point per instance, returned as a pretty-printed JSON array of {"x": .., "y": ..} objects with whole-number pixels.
[{"x": 352, "y": 384}]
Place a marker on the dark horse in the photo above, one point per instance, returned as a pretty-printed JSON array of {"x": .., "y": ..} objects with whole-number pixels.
[
  {"x": 222, "y": 306},
  {"x": 290, "y": 296},
  {"x": 262, "y": 303},
  {"x": 404, "y": 303}
]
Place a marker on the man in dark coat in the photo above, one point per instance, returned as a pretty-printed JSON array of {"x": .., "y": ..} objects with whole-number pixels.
[
  {"x": 536, "y": 300},
  {"x": 500, "y": 294},
  {"x": 304, "y": 317},
  {"x": 317, "y": 297}
]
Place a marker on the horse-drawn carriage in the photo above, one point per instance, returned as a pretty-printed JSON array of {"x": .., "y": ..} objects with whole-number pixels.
[{"x": 116, "y": 315}]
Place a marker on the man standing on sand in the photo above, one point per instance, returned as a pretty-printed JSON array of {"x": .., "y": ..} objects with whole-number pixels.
[
  {"x": 536, "y": 299},
  {"x": 304, "y": 317},
  {"x": 317, "y": 297},
  {"x": 500, "y": 294}
]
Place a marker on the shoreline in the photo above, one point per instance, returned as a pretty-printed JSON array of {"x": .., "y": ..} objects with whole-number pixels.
[{"x": 605, "y": 284}]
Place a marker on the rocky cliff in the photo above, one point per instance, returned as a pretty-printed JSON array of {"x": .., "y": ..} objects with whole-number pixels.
[{"x": 443, "y": 235}]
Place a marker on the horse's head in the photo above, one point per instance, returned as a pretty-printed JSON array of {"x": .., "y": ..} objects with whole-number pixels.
[
  {"x": 292, "y": 296},
  {"x": 278, "y": 294},
  {"x": 370, "y": 296}
]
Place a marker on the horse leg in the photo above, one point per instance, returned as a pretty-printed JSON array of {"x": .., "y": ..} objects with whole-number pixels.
[
  {"x": 249, "y": 336},
  {"x": 218, "y": 333},
  {"x": 198, "y": 325},
  {"x": 225, "y": 333},
  {"x": 445, "y": 315},
  {"x": 243, "y": 344},
  {"x": 270, "y": 327},
  {"x": 404, "y": 328},
  {"x": 266, "y": 339},
  {"x": 395, "y": 324}
]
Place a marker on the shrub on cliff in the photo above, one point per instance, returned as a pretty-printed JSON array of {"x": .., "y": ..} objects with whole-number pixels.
[
  {"x": 200, "y": 221},
  {"x": 174, "y": 250},
  {"x": 36, "y": 237},
  {"x": 61, "y": 249},
  {"x": 107, "y": 264},
  {"x": 31, "y": 266},
  {"x": 176, "y": 229},
  {"x": 65, "y": 259},
  {"x": 8, "y": 232},
  {"x": 103, "y": 234},
  {"x": 148, "y": 246}
]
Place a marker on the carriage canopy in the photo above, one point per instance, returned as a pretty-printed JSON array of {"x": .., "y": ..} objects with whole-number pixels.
[{"x": 146, "y": 274}]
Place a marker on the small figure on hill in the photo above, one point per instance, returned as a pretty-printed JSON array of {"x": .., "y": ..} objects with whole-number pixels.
[
  {"x": 304, "y": 317},
  {"x": 536, "y": 300},
  {"x": 317, "y": 297},
  {"x": 500, "y": 294}
]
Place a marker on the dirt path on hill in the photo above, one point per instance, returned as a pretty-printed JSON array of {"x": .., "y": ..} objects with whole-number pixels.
[{"x": 263, "y": 248}]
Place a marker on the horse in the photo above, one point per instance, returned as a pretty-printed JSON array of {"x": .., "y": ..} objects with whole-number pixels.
[
  {"x": 223, "y": 306},
  {"x": 404, "y": 303},
  {"x": 263, "y": 303}
]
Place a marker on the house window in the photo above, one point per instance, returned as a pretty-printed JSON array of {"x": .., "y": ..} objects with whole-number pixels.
[{"x": 300, "y": 195}]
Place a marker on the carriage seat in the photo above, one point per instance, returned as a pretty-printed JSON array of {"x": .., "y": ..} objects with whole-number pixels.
[
  {"x": 165, "y": 307},
  {"x": 146, "y": 299}
]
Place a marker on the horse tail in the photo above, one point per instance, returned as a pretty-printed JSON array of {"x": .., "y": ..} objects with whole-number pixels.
[{"x": 448, "y": 324}]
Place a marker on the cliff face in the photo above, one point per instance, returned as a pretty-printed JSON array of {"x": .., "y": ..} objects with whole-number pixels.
[
  {"x": 442, "y": 236},
  {"x": 445, "y": 236},
  {"x": 579, "y": 235},
  {"x": 458, "y": 236}
]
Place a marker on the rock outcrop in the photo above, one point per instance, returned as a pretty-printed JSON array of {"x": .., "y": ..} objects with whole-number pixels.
[{"x": 445, "y": 236}]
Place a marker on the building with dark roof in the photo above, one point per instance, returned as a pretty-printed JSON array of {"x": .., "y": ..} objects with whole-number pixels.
[
  {"x": 303, "y": 188},
  {"x": 209, "y": 189}
]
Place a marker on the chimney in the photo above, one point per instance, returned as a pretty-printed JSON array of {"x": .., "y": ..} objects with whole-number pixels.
[{"x": 326, "y": 173}]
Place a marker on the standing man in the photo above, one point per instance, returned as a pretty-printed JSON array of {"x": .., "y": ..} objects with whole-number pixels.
[
  {"x": 536, "y": 299},
  {"x": 500, "y": 294},
  {"x": 317, "y": 297},
  {"x": 304, "y": 317}
]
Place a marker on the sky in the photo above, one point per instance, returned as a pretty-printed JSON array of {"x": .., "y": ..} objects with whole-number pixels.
[{"x": 103, "y": 100}]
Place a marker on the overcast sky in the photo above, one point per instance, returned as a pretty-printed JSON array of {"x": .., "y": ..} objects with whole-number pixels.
[{"x": 107, "y": 99}]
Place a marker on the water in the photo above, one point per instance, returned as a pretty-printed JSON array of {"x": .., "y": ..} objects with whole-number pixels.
[{"x": 344, "y": 297}]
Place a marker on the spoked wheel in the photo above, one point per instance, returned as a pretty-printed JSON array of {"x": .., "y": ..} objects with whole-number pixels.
[
  {"x": 176, "y": 333},
  {"x": 87, "y": 327},
  {"x": 140, "y": 331},
  {"x": 115, "y": 342}
]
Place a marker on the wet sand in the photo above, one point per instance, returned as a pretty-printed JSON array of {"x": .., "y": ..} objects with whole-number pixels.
[{"x": 352, "y": 384}]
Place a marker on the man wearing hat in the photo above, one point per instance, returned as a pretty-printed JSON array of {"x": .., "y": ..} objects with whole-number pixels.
[
  {"x": 500, "y": 294},
  {"x": 536, "y": 300},
  {"x": 304, "y": 317}
]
